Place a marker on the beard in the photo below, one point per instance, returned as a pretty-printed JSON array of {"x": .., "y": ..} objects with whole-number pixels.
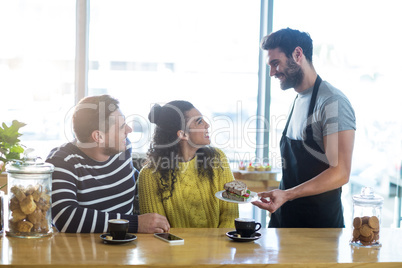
[
  {"x": 110, "y": 151},
  {"x": 293, "y": 75}
]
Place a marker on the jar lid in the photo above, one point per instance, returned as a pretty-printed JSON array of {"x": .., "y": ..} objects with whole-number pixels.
[
  {"x": 29, "y": 167},
  {"x": 367, "y": 198}
]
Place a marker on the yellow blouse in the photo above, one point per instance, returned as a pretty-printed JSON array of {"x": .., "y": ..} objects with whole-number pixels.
[{"x": 193, "y": 203}]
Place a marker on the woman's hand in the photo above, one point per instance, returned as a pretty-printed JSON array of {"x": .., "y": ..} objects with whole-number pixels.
[{"x": 153, "y": 223}]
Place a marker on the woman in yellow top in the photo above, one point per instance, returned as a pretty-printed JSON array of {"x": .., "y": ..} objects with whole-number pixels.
[{"x": 183, "y": 172}]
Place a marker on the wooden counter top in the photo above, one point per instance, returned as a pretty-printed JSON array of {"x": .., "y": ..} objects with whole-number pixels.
[{"x": 206, "y": 248}]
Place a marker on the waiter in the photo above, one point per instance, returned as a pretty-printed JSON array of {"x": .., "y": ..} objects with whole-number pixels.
[{"x": 316, "y": 144}]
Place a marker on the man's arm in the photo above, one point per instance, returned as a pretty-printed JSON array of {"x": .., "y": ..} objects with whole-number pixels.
[
  {"x": 70, "y": 216},
  {"x": 339, "y": 150}
]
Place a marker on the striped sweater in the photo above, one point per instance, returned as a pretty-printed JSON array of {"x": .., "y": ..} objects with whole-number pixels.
[
  {"x": 193, "y": 203},
  {"x": 87, "y": 193}
]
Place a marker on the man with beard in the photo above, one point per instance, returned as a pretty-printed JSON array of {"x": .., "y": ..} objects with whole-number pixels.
[
  {"x": 94, "y": 177},
  {"x": 316, "y": 144}
]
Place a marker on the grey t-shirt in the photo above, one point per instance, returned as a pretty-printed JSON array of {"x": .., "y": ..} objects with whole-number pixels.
[{"x": 332, "y": 113}]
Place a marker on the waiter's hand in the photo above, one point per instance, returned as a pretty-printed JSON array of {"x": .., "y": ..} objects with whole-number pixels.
[{"x": 271, "y": 200}]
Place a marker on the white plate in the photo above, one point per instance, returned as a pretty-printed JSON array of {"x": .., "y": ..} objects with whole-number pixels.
[{"x": 253, "y": 197}]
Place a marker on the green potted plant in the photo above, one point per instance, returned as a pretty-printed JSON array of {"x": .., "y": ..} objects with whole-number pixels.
[{"x": 10, "y": 147}]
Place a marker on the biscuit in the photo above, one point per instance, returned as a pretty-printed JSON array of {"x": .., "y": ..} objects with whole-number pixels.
[
  {"x": 36, "y": 195},
  {"x": 14, "y": 203},
  {"x": 28, "y": 205},
  {"x": 44, "y": 224},
  {"x": 356, "y": 233},
  {"x": 17, "y": 215},
  {"x": 357, "y": 222},
  {"x": 43, "y": 206},
  {"x": 18, "y": 193},
  {"x": 373, "y": 222},
  {"x": 364, "y": 243},
  {"x": 365, "y": 219},
  {"x": 35, "y": 217},
  {"x": 24, "y": 226},
  {"x": 365, "y": 230},
  {"x": 45, "y": 197},
  {"x": 30, "y": 189},
  {"x": 367, "y": 238},
  {"x": 376, "y": 236}
]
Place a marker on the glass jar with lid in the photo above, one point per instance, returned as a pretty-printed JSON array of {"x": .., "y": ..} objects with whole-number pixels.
[
  {"x": 29, "y": 186},
  {"x": 366, "y": 223}
]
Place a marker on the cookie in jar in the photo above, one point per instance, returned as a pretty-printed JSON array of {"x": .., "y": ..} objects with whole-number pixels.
[
  {"x": 366, "y": 223},
  {"x": 29, "y": 206}
]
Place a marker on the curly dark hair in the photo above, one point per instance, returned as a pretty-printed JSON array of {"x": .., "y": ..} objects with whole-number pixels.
[
  {"x": 163, "y": 155},
  {"x": 287, "y": 40}
]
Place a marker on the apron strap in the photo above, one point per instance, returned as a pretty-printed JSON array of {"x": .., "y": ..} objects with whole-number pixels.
[
  {"x": 309, "y": 129},
  {"x": 290, "y": 116}
]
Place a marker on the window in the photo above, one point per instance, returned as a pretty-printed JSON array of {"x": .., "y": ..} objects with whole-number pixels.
[
  {"x": 206, "y": 52},
  {"x": 37, "y": 64}
]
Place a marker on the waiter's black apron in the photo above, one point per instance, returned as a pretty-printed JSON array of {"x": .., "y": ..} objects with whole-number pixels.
[{"x": 298, "y": 165}]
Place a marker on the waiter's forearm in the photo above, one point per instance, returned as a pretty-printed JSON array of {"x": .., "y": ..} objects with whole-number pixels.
[
  {"x": 338, "y": 150},
  {"x": 330, "y": 179}
]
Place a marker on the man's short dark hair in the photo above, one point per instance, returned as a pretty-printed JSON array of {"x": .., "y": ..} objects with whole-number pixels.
[
  {"x": 287, "y": 40},
  {"x": 92, "y": 113}
]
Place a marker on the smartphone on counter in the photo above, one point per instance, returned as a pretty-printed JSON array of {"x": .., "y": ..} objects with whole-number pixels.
[{"x": 170, "y": 238}]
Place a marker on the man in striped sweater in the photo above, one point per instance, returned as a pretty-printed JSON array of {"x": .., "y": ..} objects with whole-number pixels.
[{"x": 94, "y": 178}]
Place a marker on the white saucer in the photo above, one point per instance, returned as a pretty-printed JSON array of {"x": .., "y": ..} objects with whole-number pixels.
[{"x": 253, "y": 197}]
